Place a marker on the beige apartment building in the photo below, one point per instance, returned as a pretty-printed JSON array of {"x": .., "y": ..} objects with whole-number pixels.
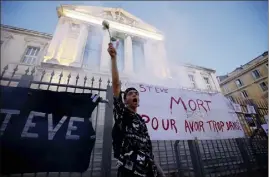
[{"x": 249, "y": 81}]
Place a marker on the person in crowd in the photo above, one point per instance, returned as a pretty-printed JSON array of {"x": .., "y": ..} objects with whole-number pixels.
[{"x": 131, "y": 141}]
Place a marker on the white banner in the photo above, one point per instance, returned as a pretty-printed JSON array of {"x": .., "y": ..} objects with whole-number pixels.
[{"x": 176, "y": 114}]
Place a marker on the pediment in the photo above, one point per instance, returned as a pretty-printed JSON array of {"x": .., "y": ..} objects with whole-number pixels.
[{"x": 114, "y": 14}]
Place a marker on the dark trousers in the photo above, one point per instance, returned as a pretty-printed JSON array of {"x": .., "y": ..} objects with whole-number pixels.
[{"x": 123, "y": 172}]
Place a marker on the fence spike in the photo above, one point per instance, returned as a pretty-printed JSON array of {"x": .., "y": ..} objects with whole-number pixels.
[
  {"x": 77, "y": 78},
  {"x": 6, "y": 67},
  {"x": 108, "y": 81},
  {"x": 4, "y": 71},
  {"x": 52, "y": 74},
  {"x": 43, "y": 72},
  {"x": 61, "y": 74},
  {"x": 100, "y": 80},
  {"x": 85, "y": 80},
  {"x": 69, "y": 76},
  {"x": 42, "y": 76},
  {"x": 60, "y": 78},
  {"x": 14, "y": 71},
  {"x": 27, "y": 71},
  {"x": 16, "y": 68},
  {"x": 92, "y": 81},
  {"x": 33, "y": 71}
]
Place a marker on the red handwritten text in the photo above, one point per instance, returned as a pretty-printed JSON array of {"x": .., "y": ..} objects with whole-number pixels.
[
  {"x": 157, "y": 123},
  {"x": 213, "y": 126},
  {"x": 146, "y": 88},
  {"x": 216, "y": 126},
  {"x": 233, "y": 125},
  {"x": 191, "y": 104},
  {"x": 192, "y": 126}
]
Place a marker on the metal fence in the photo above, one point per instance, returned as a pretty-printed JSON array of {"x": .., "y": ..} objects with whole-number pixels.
[{"x": 231, "y": 157}]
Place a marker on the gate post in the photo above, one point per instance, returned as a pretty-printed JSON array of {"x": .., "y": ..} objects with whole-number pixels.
[
  {"x": 196, "y": 158},
  {"x": 243, "y": 151},
  {"x": 178, "y": 158},
  {"x": 107, "y": 138}
]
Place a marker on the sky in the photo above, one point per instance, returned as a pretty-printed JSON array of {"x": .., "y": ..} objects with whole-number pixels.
[{"x": 220, "y": 35}]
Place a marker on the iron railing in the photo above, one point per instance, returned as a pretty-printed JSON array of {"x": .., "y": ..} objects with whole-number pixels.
[{"x": 230, "y": 157}]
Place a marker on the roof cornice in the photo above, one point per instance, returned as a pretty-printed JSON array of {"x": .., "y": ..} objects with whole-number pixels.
[
  {"x": 230, "y": 78},
  {"x": 25, "y": 31},
  {"x": 189, "y": 65}
]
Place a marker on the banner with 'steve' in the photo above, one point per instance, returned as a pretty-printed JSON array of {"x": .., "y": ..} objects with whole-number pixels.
[
  {"x": 177, "y": 114},
  {"x": 45, "y": 131}
]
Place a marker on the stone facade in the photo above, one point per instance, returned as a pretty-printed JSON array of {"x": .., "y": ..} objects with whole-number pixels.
[
  {"x": 247, "y": 82},
  {"x": 69, "y": 57},
  {"x": 79, "y": 40}
]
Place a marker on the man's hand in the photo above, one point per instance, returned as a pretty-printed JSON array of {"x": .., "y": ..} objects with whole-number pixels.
[
  {"x": 112, "y": 51},
  {"x": 114, "y": 70}
]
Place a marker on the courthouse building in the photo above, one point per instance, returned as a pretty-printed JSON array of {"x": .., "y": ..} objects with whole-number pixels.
[
  {"x": 78, "y": 48},
  {"x": 79, "y": 44}
]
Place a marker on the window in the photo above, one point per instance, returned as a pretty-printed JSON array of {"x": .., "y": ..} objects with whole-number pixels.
[
  {"x": 263, "y": 86},
  {"x": 239, "y": 83},
  {"x": 208, "y": 86},
  {"x": 191, "y": 77},
  {"x": 244, "y": 94},
  {"x": 256, "y": 74},
  {"x": 30, "y": 55}
]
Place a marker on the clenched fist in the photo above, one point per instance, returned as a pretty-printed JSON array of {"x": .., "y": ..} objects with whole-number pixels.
[{"x": 112, "y": 51}]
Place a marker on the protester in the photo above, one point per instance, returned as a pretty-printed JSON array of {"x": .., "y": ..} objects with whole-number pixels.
[{"x": 131, "y": 142}]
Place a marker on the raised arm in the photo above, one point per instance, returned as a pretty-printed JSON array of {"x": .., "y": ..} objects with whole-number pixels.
[{"x": 114, "y": 69}]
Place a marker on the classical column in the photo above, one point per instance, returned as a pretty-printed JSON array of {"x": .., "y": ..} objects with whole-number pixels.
[
  {"x": 105, "y": 58},
  {"x": 162, "y": 59},
  {"x": 199, "y": 80},
  {"x": 128, "y": 55},
  {"x": 54, "y": 42},
  {"x": 161, "y": 50},
  {"x": 153, "y": 59},
  {"x": 58, "y": 36},
  {"x": 215, "y": 82},
  {"x": 81, "y": 42},
  {"x": 147, "y": 55},
  {"x": 62, "y": 34}
]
